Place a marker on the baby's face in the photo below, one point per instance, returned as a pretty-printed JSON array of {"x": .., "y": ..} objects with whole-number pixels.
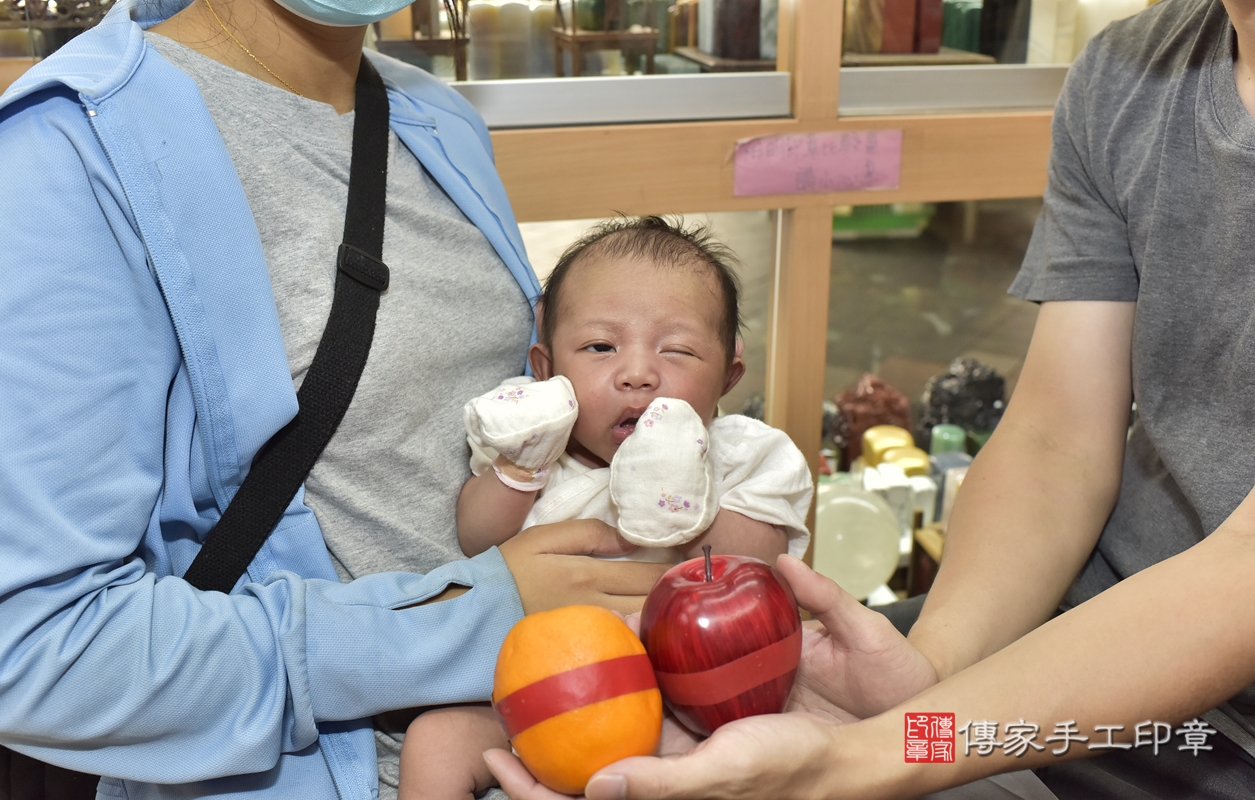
[{"x": 628, "y": 332}]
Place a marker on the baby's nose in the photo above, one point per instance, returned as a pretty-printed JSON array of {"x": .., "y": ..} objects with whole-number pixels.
[{"x": 638, "y": 372}]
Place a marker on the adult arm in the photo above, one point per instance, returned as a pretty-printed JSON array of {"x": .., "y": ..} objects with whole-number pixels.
[
  {"x": 548, "y": 564},
  {"x": 1031, "y": 509},
  {"x": 1035, "y": 500}
]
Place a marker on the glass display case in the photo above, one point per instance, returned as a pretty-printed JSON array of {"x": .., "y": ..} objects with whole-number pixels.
[
  {"x": 917, "y": 286},
  {"x": 637, "y": 60},
  {"x": 31, "y": 29},
  {"x": 482, "y": 40},
  {"x": 939, "y": 56},
  {"x": 915, "y": 32}
]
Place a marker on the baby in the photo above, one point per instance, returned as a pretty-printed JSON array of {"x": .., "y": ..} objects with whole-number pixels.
[{"x": 638, "y": 341}]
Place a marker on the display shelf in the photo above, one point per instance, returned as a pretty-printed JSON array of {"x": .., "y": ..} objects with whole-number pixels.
[
  {"x": 547, "y": 102},
  {"x": 948, "y": 89},
  {"x": 947, "y": 56},
  {"x": 710, "y": 63}
]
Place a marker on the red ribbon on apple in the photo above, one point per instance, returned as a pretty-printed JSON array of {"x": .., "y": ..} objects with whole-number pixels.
[{"x": 724, "y": 636}]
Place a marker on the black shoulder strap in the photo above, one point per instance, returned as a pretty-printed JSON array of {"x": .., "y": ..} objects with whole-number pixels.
[{"x": 285, "y": 460}]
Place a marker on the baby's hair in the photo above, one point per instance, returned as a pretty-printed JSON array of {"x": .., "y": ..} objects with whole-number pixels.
[{"x": 660, "y": 241}]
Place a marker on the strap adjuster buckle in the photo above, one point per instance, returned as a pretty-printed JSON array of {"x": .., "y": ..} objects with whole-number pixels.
[{"x": 363, "y": 267}]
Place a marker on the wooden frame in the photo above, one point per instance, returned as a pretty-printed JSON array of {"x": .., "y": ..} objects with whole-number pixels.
[
  {"x": 13, "y": 68},
  {"x": 687, "y": 167}
]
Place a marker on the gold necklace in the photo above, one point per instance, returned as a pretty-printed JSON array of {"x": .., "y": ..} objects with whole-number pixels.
[{"x": 227, "y": 31}]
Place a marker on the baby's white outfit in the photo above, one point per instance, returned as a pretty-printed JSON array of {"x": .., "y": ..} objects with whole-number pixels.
[{"x": 756, "y": 469}]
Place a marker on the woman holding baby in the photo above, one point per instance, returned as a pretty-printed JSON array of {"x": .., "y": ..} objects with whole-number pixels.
[
  {"x": 175, "y": 194},
  {"x": 177, "y": 183}
]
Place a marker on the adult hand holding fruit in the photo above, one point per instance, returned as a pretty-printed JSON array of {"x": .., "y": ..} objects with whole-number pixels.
[
  {"x": 778, "y": 755},
  {"x": 551, "y": 570},
  {"x": 852, "y": 661}
]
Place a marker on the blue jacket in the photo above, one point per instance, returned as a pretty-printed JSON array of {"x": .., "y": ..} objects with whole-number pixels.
[{"x": 141, "y": 368}]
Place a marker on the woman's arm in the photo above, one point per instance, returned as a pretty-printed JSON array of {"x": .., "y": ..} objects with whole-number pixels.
[
  {"x": 489, "y": 512},
  {"x": 109, "y": 663}
]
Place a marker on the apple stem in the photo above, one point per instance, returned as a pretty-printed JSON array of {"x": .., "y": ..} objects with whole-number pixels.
[{"x": 706, "y": 549}]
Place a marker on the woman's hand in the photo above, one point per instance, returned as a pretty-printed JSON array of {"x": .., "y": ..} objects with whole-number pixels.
[
  {"x": 855, "y": 664},
  {"x": 552, "y": 567}
]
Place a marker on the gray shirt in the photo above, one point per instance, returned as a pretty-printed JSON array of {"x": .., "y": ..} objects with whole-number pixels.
[
  {"x": 452, "y": 325},
  {"x": 1152, "y": 200}
]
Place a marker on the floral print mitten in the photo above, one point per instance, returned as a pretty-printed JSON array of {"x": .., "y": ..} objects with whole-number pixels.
[
  {"x": 661, "y": 481},
  {"x": 527, "y": 423}
]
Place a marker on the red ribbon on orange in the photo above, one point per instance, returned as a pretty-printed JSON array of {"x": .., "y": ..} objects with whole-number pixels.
[
  {"x": 726, "y": 681},
  {"x": 574, "y": 689}
]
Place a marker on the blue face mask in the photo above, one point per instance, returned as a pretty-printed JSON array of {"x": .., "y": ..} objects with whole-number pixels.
[{"x": 344, "y": 13}]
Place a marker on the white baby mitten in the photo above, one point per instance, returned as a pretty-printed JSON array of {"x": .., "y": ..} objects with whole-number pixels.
[
  {"x": 528, "y": 424},
  {"x": 661, "y": 482}
]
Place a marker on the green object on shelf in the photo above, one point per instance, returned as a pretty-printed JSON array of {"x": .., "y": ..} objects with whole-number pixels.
[
  {"x": 888, "y": 221},
  {"x": 947, "y": 439},
  {"x": 960, "y": 24},
  {"x": 590, "y": 15}
]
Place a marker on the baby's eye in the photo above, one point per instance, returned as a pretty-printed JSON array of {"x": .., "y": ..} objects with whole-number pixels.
[{"x": 600, "y": 347}]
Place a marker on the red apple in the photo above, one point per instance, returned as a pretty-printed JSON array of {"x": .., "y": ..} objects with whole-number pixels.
[{"x": 725, "y": 638}]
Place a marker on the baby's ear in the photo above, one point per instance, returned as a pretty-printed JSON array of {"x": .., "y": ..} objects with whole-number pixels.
[{"x": 542, "y": 363}]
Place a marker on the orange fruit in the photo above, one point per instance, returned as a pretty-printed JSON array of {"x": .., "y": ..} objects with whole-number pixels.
[{"x": 576, "y": 692}]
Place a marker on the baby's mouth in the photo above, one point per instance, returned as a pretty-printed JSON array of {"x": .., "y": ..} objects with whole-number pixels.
[{"x": 623, "y": 429}]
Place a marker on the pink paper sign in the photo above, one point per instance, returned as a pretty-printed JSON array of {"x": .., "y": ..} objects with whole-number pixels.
[{"x": 818, "y": 162}]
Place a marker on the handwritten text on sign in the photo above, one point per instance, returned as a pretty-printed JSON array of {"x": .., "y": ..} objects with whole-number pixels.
[{"x": 818, "y": 162}]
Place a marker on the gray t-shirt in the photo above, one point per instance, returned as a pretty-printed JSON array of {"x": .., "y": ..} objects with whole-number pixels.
[
  {"x": 1152, "y": 200},
  {"x": 452, "y": 325}
]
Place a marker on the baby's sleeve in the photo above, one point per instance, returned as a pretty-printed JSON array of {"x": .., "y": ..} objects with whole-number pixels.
[{"x": 760, "y": 473}]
